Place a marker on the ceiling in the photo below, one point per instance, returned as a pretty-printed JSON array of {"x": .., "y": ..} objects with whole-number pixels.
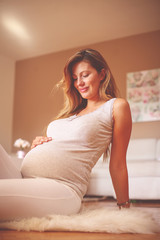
[{"x": 31, "y": 28}]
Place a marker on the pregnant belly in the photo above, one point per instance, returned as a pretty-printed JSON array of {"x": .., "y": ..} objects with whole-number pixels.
[{"x": 46, "y": 160}]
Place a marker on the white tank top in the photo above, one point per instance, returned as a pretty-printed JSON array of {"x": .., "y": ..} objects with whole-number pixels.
[{"x": 77, "y": 144}]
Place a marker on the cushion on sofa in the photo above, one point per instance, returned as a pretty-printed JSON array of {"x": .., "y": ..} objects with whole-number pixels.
[
  {"x": 158, "y": 150},
  {"x": 144, "y": 169},
  {"x": 135, "y": 169},
  {"x": 142, "y": 149}
]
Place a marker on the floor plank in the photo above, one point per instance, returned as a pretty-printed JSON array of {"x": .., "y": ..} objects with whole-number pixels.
[{"x": 14, "y": 235}]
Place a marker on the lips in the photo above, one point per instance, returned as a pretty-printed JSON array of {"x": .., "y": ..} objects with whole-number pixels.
[{"x": 82, "y": 90}]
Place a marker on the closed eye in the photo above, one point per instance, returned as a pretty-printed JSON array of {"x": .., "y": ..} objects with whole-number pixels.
[{"x": 86, "y": 75}]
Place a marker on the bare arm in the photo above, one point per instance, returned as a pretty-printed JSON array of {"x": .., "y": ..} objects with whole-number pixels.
[{"x": 121, "y": 135}]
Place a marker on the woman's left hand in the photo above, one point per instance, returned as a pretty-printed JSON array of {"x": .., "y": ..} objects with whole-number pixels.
[{"x": 40, "y": 140}]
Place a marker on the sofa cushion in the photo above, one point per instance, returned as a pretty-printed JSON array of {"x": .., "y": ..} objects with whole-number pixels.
[
  {"x": 141, "y": 149},
  {"x": 158, "y": 150},
  {"x": 144, "y": 169},
  {"x": 135, "y": 169}
]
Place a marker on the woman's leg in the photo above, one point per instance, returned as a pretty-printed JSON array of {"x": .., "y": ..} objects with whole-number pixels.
[
  {"x": 8, "y": 168},
  {"x": 36, "y": 197}
]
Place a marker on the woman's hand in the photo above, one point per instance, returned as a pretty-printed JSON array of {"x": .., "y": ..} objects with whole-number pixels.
[{"x": 40, "y": 140}]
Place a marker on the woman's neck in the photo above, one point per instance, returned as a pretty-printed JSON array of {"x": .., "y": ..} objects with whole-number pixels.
[{"x": 92, "y": 105}]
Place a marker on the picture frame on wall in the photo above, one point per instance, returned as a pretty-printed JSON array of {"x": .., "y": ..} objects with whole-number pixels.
[{"x": 143, "y": 95}]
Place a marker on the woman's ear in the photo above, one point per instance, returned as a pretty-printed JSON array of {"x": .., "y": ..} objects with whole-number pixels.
[{"x": 102, "y": 74}]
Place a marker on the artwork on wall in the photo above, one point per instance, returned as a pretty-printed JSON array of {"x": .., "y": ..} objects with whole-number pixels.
[{"x": 143, "y": 95}]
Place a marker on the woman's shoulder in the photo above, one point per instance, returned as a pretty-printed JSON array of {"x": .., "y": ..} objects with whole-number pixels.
[
  {"x": 121, "y": 108},
  {"x": 121, "y": 103}
]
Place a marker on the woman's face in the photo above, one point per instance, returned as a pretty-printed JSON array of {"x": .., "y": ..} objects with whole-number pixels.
[{"x": 87, "y": 80}]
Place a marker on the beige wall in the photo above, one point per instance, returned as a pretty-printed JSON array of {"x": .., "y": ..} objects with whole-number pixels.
[
  {"x": 35, "y": 105},
  {"x": 7, "y": 71}
]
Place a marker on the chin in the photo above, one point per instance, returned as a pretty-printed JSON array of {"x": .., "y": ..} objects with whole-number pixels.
[{"x": 85, "y": 97}]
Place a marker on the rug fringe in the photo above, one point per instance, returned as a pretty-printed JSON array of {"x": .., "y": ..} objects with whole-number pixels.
[{"x": 90, "y": 220}]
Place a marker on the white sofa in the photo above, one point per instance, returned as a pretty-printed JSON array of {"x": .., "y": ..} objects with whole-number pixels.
[{"x": 143, "y": 161}]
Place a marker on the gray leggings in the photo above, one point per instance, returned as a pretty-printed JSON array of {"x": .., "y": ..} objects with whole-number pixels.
[{"x": 32, "y": 197}]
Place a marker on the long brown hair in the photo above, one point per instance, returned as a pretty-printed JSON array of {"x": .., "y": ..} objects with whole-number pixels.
[{"x": 74, "y": 103}]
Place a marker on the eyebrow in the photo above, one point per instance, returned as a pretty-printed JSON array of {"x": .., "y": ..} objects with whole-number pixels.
[{"x": 81, "y": 72}]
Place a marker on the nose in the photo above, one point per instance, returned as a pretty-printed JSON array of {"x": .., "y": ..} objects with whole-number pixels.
[{"x": 80, "y": 82}]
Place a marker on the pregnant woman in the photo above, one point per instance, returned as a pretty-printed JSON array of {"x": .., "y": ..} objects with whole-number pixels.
[{"x": 55, "y": 173}]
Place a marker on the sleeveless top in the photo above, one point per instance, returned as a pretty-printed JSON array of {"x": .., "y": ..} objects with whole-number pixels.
[{"x": 77, "y": 144}]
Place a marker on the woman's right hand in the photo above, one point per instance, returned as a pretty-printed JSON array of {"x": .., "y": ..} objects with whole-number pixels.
[{"x": 40, "y": 140}]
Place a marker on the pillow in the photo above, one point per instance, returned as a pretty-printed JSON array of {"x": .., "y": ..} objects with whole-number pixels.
[{"x": 142, "y": 149}]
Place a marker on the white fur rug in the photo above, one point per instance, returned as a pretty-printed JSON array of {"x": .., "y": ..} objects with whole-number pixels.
[{"x": 108, "y": 220}]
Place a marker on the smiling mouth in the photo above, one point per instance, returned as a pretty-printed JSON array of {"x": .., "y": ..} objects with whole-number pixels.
[{"x": 82, "y": 90}]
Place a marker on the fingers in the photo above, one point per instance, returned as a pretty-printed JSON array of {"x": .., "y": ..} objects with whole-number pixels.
[{"x": 40, "y": 140}]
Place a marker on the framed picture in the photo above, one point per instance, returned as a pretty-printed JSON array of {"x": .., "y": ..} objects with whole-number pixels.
[{"x": 143, "y": 95}]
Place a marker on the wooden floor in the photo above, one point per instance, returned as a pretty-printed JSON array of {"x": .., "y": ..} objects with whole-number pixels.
[{"x": 150, "y": 205}]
